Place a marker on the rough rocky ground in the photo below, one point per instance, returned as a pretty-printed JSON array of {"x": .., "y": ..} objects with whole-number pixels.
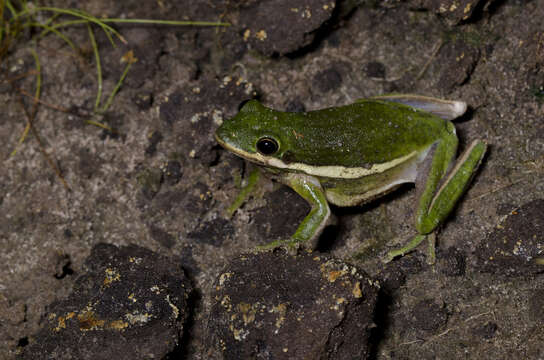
[{"x": 160, "y": 182}]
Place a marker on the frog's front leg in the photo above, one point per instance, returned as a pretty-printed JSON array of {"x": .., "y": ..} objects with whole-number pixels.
[
  {"x": 442, "y": 188},
  {"x": 309, "y": 188}
]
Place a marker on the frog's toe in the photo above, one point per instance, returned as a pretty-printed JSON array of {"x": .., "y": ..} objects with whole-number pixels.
[
  {"x": 270, "y": 246},
  {"x": 405, "y": 249},
  {"x": 390, "y": 256},
  {"x": 292, "y": 247}
]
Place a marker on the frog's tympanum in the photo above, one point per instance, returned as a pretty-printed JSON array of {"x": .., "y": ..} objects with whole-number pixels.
[{"x": 351, "y": 154}]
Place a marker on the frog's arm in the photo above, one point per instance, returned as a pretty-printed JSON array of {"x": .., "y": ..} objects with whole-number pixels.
[
  {"x": 310, "y": 190},
  {"x": 244, "y": 193},
  {"x": 445, "y": 109},
  {"x": 311, "y": 227}
]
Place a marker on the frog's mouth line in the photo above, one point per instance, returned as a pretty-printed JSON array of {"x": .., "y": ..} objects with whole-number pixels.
[
  {"x": 255, "y": 158},
  {"x": 326, "y": 171}
]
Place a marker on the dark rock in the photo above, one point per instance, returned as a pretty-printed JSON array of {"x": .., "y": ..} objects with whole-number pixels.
[
  {"x": 170, "y": 108},
  {"x": 198, "y": 201},
  {"x": 188, "y": 261},
  {"x": 295, "y": 106},
  {"x": 228, "y": 167},
  {"x": 161, "y": 236},
  {"x": 62, "y": 265},
  {"x": 457, "y": 61},
  {"x": 452, "y": 262},
  {"x": 130, "y": 304},
  {"x": 536, "y": 305},
  {"x": 327, "y": 80},
  {"x": 274, "y": 305},
  {"x": 375, "y": 69},
  {"x": 113, "y": 122},
  {"x": 172, "y": 172},
  {"x": 429, "y": 315},
  {"x": 150, "y": 181},
  {"x": 283, "y": 213},
  {"x": 213, "y": 232},
  {"x": 454, "y": 11},
  {"x": 154, "y": 139},
  {"x": 486, "y": 331},
  {"x": 143, "y": 100},
  {"x": 393, "y": 276},
  {"x": 284, "y": 26},
  {"x": 168, "y": 201},
  {"x": 89, "y": 164},
  {"x": 514, "y": 248}
]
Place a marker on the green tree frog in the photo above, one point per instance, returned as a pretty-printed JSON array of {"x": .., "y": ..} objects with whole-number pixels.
[{"x": 352, "y": 154}]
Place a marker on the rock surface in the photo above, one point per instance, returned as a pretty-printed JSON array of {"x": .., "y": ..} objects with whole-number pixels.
[
  {"x": 131, "y": 304},
  {"x": 275, "y": 305}
]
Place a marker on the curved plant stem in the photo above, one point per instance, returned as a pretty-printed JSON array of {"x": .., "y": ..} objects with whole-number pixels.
[
  {"x": 30, "y": 118},
  {"x": 98, "y": 68}
]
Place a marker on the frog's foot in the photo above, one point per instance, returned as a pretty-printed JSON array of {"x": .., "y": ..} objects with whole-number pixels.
[{"x": 431, "y": 255}]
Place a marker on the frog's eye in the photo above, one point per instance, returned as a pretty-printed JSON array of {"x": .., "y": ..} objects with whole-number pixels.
[{"x": 267, "y": 146}]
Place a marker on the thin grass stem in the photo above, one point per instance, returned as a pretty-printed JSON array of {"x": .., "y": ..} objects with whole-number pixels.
[
  {"x": 56, "y": 32},
  {"x": 165, "y": 22},
  {"x": 36, "y": 98},
  {"x": 98, "y": 68},
  {"x": 130, "y": 60},
  {"x": 11, "y": 8}
]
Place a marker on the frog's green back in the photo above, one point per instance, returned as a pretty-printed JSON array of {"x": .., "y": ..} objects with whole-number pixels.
[{"x": 362, "y": 134}]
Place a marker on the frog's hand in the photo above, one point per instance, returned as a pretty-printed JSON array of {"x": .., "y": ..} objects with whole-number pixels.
[
  {"x": 244, "y": 193},
  {"x": 445, "y": 109},
  {"x": 313, "y": 224}
]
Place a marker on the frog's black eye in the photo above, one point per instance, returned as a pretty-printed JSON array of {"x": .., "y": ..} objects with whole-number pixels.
[{"x": 267, "y": 146}]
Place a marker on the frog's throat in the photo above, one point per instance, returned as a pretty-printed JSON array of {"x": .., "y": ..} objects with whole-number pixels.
[{"x": 329, "y": 171}]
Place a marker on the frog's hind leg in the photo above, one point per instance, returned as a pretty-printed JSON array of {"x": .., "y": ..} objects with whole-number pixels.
[
  {"x": 435, "y": 206},
  {"x": 435, "y": 173}
]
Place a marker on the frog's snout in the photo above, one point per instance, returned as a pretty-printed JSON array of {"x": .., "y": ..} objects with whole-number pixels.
[{"x": 220, "y": 136}]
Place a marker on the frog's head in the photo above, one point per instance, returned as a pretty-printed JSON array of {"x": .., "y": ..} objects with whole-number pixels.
[{"x": 255, "y": 133}]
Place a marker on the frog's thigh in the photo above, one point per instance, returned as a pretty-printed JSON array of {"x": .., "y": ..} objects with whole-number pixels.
[
  {"x": 310, "y": 189},
  {"x": 432, "y": 213}
]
